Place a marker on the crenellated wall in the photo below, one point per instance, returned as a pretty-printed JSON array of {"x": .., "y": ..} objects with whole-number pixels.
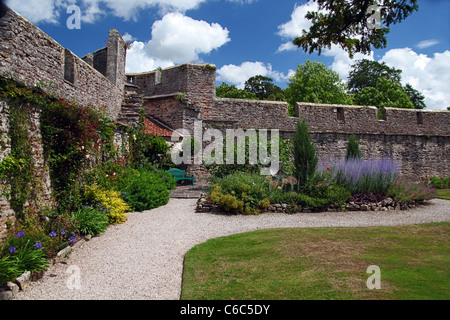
[
  {"x": 418, "y": 140},
  {"x": 364, "y": 120},
  {"x": 31, "y": 56}
]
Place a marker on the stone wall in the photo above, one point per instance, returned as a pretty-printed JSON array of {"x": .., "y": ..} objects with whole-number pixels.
[
  {"x": 418, "y": 140},
  {"x": 6, "y": 213},
  {"x": 31, "y": 56},
  {"x": 364, "y": 120},
  {"x": 41, "y": 185}
]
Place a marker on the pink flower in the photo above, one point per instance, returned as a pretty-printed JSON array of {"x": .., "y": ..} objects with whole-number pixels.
[{"x": 328, "y": 168}]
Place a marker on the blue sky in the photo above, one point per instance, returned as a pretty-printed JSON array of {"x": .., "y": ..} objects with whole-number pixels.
[{"x": 244, "y": 38}]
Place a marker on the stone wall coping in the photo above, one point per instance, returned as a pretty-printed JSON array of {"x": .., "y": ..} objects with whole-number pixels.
[
  {"x": 131, "y": 74},
  {"x": 251, "y": 101},
  {"x": 162, "y": 96}
]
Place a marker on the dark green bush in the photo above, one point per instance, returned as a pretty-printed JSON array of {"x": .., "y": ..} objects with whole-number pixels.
[
  {"x": 440, "y": 183},
  {"x": 147, "y": 189}
]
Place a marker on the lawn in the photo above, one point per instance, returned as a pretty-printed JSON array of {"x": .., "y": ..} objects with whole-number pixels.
[
  {"x": 443, "y": 194},
  {"x": 321, "y": 263}
]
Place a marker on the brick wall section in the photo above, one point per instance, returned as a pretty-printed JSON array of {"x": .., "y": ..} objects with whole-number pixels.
[{"x": 30, "y": 55}]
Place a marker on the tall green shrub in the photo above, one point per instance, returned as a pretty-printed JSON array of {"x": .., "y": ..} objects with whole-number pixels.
[
  {"x": 353, "y": 148},
  {"x": 305, "y": 159}
]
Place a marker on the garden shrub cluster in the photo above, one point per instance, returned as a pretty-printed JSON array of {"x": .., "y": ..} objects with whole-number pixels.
[
  {"x": 241, "y": 189},
  {"x": 439, "y": 183},
  {"x": 94, "y": 185}
]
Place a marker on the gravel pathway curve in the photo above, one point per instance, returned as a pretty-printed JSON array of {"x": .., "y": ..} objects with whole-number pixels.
[{"x": 143, "y": 258}]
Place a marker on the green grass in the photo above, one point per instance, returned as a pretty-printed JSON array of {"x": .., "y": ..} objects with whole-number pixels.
[
  {"x": 443, "y": 194},
  {"x": 321, "y": 263}
]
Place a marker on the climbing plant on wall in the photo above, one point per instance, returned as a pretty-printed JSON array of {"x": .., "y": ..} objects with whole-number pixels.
[{"x": 74, "y": 137}]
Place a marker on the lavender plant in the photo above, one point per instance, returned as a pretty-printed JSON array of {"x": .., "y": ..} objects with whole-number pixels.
[{"x": 366, "y": 176}]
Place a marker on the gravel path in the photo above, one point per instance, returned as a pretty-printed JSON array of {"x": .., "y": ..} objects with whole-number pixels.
[{"x": 143, "y": 258}]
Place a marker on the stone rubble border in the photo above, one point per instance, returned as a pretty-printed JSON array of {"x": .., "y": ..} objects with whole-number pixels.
[{"x": 388, "y": 204}]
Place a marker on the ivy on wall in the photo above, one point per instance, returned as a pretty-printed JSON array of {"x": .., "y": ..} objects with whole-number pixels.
[{"x": 74, "y": 137}]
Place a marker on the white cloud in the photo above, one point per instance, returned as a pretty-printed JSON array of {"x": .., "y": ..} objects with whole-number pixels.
[
  {"x": 49, "y": 11},
  {"x": 128, "y": 37},
  {"x": 429, "y": 75},
  {"x": 176, "y": 38},
  {"x": 237, "y": 75},
  {"x": 427, "y": 43},
  {"x": 342, "y": 63},
  {"x": 294, "y": 28},
  {"x": 139, "y": 61},
  {"x": 129, "y": 9},
  {"x": 38, "y": 11}
]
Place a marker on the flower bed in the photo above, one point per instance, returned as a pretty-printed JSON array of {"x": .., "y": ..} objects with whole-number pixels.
[{"x": 387, "y": 204}]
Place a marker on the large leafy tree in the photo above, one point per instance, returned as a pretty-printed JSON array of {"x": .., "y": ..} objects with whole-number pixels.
[
  {"x": 417, "y": 98},
  {"x": 231, "y": 91},
  {"x": 314, "y": 82},
  {"x": 354, "y": 25},
  {"x": 365, "y": 73},
  {"x": 263, "y": 88},
  {"x": 386, "y": 94}
]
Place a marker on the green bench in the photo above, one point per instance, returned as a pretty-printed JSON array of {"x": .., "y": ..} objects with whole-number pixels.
[{"x": 180, "y": 175}]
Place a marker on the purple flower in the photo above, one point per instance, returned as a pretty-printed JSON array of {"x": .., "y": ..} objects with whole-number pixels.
[
  {"x": 72, "y": 239},
  {"x": 38, "y": 245},
  {"x": 12, "y": 249},
  {"x": 63, "y": 232},
  {"x": 366, "y": 176},
  {"x": 52, "y": 234},
  {"x": 20, "y": 234}
]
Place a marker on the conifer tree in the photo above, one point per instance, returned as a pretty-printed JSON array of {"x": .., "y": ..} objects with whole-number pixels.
[
  {"x": 353, "y": 148},
  {"x": 305, "y": 159}
]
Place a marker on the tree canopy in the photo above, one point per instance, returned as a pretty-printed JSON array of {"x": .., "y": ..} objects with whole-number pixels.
[
  {"x": 314, "y": 82},
  {"x": 365, "y": 73},
  {"x": 231, "y": 91},
  {"x": 354, "y": 25},
  {"x": 264, "y": 89},
  {"x": 386, "y": 94}
]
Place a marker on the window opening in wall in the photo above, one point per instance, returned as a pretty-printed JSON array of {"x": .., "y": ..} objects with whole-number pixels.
[
  {"x": 130, "y": 79},
  {"x": 419, "y": 118},
  {"x": 340, "y": 114},
  {"x": 69, "y": 66},
  {"x": 382, "y": 114},
  {"x": 158, "y": 76}
]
